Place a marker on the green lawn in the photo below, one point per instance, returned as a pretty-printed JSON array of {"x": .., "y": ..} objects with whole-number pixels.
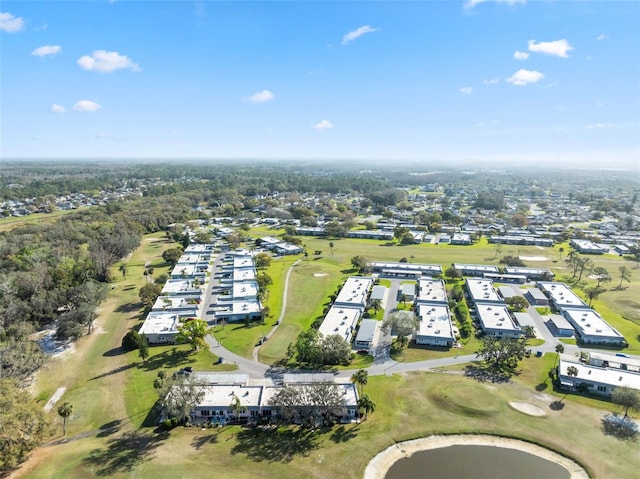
[
  {"x": 112, "y": 392},
  {"x": 407, "y": 406}
]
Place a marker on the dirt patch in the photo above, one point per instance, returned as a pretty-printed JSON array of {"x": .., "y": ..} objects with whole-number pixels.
[
  {"x": 319, "y": 275},
  {"x": 527, "y": 408},
  {"x": 54, "y": 399},
  {"x": 379, "y": 465},
  {"x": 533, "y": 258}
]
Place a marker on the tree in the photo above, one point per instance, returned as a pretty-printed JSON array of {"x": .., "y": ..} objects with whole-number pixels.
[
  {"x": 559, "y": 350},
  {"x": 601, "y": 274},
  {"x": 529, "y": 331},
  {"x": 264, "y": 281},
  {"x": 307, "y": 403},
  {"x": 193, "y": 332},
  {"x": 572, "y": 371},
  {"x": 583, "y": 264},
  {"x": 626, "y": 397},
  {"x": 625, "y": 275},
  {"x": 236, "y": 406},
  {"x": 64, "y": 411},
  {"x": 517, "y": 303},
  {"x": 452, "y": 273},
  {"x": 179, "y": 396},
  {"x": 366, "y": 404},
  {"x": 24, "y": 425},
  {"x": 510, "y": 260},
  {"x": 402, "y": 323},
  {"x": 561, "y": 250},
  {"x": 377, "y": 304},
  {"x": 263, "y": 260},
  {"x": 331, "y": 247},
  {"x": 143, "y": 350},
  {"x": 593, "y": 292},
  {"x": 360, "y": 379},
  {"x": 172, "y": 255},
  {"x": 501, "y": 352},
  {"x": 149, "y": 293},
  {"x": 124, "y": 269},
  {"x": 360, "y": 263},
  {"x": 130, "y": 341}
]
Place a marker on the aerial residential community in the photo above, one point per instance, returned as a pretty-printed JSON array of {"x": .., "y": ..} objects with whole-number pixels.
[{"x": 379, "y": 240}]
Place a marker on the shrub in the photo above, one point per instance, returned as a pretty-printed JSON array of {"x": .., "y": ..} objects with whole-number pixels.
[{"x": 131, "y": 341}]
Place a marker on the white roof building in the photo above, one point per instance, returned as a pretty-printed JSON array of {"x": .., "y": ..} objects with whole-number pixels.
[
  {"x": 591, "y": 327},
  {"x": 160, "y": 327},
  {"x": 431, "y": 291},
  {"x": 599, "y": 380},
  {"x": 482, "y": 291},
  {"x": 183, "y": 287},
  {"x": 561, "y": 295},
  {"x": 495, "y": 320},
  {"x": 341, "y": 321},
  {"x": 435, "y": 327},
  {"x": 355, "y": 292}
]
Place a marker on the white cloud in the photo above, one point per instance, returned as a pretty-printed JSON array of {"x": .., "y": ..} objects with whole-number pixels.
[
  {"x": 103, "y": 61},
  {"x": 557, "y": 48},
  {"x": 324, "y": 125},
  {"x": 524, "y": 77},
  {"x": 518, "y": 55},
  {"x": 86, "y": 105},
  {"x": 46, "y": 50},
  {"x": 472, "y": 3},
  {"x": 492, "y": 81},
  {"x": 600, "y": 125},
  {"x": 357, "y": 33},
  {"x": 602, "y": 36},
  {"x": 59, "y": 109},
  {"x": 467, "y": 90},
  {"x": 260, "y": 97},
  {"x": 10, "y": 23}
]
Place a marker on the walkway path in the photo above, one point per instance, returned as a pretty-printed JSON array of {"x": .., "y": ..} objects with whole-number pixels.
[{"x": 284, "y": 308}]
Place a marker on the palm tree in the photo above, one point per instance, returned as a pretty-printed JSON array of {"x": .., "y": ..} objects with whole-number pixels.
[
  {"x": 64, "y": 411},
  {"x": 331, "y": 247},
  {"x": 377, "y": 304},
  {"x": 572, "y": 371},
  {"x": 367, "y": 405},
  {"x": 360, "y": 379},
  {"x": 559, "y": 350},
  {"x": 124, "y": 269}
]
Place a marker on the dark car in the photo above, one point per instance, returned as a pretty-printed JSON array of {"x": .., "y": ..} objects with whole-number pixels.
[
  {"x": 220, "y": 360},
  {"x": 188, "y": 369}
]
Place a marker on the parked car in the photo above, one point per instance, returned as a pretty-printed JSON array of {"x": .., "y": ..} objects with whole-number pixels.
[{"x": 220, "y": 360}]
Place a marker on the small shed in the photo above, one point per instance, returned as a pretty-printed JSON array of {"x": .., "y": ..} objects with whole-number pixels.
[
  {"x": 536, "y": 297},
  {"x": 378, "y": 292},
  {"x": 409, "y": 291},
  {"x": 560, "y": 326},
  {"x": 366, "y": 334}
]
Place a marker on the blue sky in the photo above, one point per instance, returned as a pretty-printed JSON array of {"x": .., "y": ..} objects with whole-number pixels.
[{"x": 499, "y": 81}]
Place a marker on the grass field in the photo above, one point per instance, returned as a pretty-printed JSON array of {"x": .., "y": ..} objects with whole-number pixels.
[
  {"x": 407, "y": 406},
  {"x": 112, "y": 392},
  {"x": 7, "y": 224}
]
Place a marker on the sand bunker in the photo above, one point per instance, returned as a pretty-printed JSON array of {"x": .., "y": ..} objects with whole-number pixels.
[
  {"x": 379, "y": 465},
  {"x": 533, "y": 258},
  {"x": 527, "y": 408},
  {"x": 319, "y": 275}
]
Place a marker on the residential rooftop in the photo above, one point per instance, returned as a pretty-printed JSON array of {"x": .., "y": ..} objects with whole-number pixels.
[
  {"x": 482, "y": 290},
  {"x": 561, "y": 295},
  {"x": 496, "y": 318},
  {"x": 431, "y": 291},
  {"x": 340, "y": 320},
  {"x": 355, "y": 292},
  {"x": 435, "y": 321}
]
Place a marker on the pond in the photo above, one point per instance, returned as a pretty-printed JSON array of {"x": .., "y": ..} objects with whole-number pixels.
[{"x": 477, "y": 462}]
